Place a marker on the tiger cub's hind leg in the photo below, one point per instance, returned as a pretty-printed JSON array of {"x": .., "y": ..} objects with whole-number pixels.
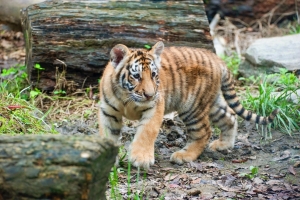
[
  {"x": 199, "y": 132},
  {"x": 225, "y": 119}
]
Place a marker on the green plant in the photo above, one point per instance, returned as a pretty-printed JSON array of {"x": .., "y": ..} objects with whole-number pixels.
[
  {"x": 274, "y": 93},
  {"x": 253, "y": 172},
  {"x": 114, "y": 181},
  {"x": 18, "y": 116},
  {"x": 251, "y": 80},
  {"x": 147, "y": 46},
  {"x": 34, "y": 93},
  {"x": 14, "y": 81},
  {"x": 59, "y": 92},
  {"x": 232, "y": 63},
  {"x": 295, "y": 29},
  {"x": 39, "y": 68}
]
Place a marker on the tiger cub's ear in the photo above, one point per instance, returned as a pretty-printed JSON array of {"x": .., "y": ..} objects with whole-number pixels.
[
  {"x": 117, "y": 54},
  {"x": 158, "y": 48}
]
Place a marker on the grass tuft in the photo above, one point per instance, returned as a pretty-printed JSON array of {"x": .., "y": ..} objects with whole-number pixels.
[
  {"x": 275, "y": 92},
  {"x": 232, "y": 63},
  {"x": 17, "y": 114}
]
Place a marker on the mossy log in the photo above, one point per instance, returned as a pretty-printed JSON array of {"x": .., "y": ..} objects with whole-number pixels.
[
  {"x": 81, "y": 34},
  {"x": 54, "y": 167}
]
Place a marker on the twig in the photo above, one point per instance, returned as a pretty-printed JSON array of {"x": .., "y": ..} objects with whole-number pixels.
[
  {"x": 297, "y": 11},
  {"x": 283, "y": 15},
  {"x": 236, "y": 41}
]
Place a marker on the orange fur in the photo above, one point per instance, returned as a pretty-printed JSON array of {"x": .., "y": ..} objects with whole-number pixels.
[{"x": 146, "y": 84}]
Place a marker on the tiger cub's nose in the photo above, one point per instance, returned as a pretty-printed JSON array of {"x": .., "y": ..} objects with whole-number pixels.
[{"x": 148, "y": 96}]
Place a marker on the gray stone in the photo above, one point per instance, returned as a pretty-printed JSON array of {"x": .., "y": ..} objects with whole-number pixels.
[
  {"x": 292, "y": 96},
  {"x": 267, "y": 55}
]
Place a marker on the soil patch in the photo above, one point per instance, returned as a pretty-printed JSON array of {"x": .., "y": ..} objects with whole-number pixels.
[{"x": 218, "y": 175}]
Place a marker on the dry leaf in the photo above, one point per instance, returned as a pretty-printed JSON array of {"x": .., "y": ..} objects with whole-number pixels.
[
  {"x": 6, "y": 44},
  {"x": 240, "y": 160},
  {"x": 196, "y": 181},
  {"x": 174, "y": 186},
  {"x": 297, "y": 164},
  {"x": 227, "y": 180},
  {"x": 252, "y": 157},
  {"x": 277, "y": 188},
  {"x": 257, "y": 181},
  {"x": 273, "y": 182},
  {"x": 227, "y": 189},
  {"x": 193, "y": 192},
  {"x": 196, "y": 165},
  {"x": 170, "y": 177},
  {"x": 292, "y": 170},
  {"x": 285, "y": 155}
]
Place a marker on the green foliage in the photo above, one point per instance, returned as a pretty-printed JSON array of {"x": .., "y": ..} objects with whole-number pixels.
[
  {"x": 114, "y": 181},
  {"x": 19, "y": 116},
  {"x": 59, "y": 92},
  {"x": 253, "y": 173},
  {"x": 250, "y": 80},
  {"x": 147, "y": 46},
  {"x": 14, "y": 81},
  {"x": 38, "y": 67},
  {"x": 295, "y": 29},
  {"x": 34, "y": 93},
  {"x": 232, "y": 63},
  {"x": 274, "y": 92}
]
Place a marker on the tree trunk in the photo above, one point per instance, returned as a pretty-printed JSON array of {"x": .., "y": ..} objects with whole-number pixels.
[
  {"x": 54, "y": 167},
  {"x": 81, "y": 34}
]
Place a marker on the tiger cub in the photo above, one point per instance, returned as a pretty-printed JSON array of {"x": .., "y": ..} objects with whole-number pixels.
[{"x": 145, "y": 85}]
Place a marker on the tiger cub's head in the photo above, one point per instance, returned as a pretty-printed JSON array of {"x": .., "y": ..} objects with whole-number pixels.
[{"x": 137, "y": 71}]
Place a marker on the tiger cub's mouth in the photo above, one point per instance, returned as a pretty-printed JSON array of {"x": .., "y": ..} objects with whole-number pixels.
[{"x": 143, "y": 98}]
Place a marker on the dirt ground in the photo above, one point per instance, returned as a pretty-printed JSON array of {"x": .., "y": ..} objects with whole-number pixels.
[
  {"x": 214, "y": 175},
  {"x": 218, "y": 175}
]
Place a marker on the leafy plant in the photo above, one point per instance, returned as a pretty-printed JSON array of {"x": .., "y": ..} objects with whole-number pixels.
[
  {"x": 253, "y": 172},
  {"x": 39, "y": 68},
  {"x": 14, "y": 80},
  {"x": 59, "y": 92},
  {"x": 295, "y": 29},
  {"x": 147, "y": 46},
  {"x": 34, "y": 93},
  {"x": 18, "y": 116},
  {"x": 250, "y": 80},
  {"x": 274, "y": 93},
  {"x": 114, "y": 181}
]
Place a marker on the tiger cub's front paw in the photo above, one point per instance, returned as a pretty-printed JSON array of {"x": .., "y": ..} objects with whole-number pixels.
[
  {"x": 141, "y": 156},
  {"x": 182, "y": 156}
]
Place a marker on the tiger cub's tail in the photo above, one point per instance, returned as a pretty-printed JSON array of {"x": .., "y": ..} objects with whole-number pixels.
[{"x": 234, "y": 103}]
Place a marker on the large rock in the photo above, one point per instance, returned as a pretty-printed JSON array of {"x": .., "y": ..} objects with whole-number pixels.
[
  {"x": 267, "y": 55},
  {"x": 10, "y": 12}
]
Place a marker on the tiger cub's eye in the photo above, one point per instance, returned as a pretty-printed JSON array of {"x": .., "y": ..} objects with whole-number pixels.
[
  {"x": 136, "y": 76},
  {"x": 153, "y": 74}
]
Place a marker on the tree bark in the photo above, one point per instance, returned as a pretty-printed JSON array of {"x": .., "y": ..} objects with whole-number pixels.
[
  {"x": 81, "y": 34},
  {"x": 54, "y": 167}
]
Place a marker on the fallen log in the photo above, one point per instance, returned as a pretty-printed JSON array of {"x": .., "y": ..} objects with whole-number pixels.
[
  {"x": 81, "y": 34},
  {"x": 54, "y": 167}
]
